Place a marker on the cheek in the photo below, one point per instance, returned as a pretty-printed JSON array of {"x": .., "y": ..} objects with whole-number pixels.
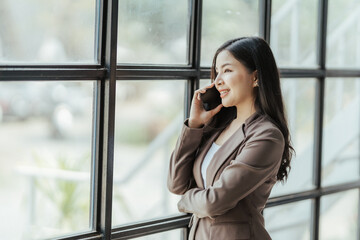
[
  {"x": 242, "y": 90},
  {"x": 233, "y": 82},
  {"x": 239, "y": 85},
  {"x": 248, "y": 84}
]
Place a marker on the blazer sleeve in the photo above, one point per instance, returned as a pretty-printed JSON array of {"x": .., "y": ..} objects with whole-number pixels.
[
  {"x": 256, "y": 162},
  {"x": 180, "y": 175}
]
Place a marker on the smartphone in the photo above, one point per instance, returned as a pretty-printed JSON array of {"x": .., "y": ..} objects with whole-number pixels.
[{"x": 211, "y": 98}]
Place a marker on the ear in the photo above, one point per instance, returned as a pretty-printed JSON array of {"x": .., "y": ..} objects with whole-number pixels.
[
  {"x": 255, "y": 78},
  {"x": 255, "y": 74}
]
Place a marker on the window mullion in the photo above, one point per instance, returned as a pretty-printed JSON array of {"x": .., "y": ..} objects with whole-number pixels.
[
  {"x": 319, "y": 113},
  {"x": 265, "y": 19},
  {"x": 105, "y": 124}
]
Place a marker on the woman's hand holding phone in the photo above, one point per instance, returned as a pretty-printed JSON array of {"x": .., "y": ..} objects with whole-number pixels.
[{"x": 198, "y": 115}]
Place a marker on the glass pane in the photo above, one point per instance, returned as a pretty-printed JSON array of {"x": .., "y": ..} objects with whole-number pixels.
[
  {"x": 45, "y": 158},
  {"x": 149, "y": 116},
  {"x": 299, "y": 99},
  {"x": 294, "y": 32},
  {"x": 225, "y": 20},
  {"x": 343, "y": 34},
  {"x": 173, "y": 235},
  {"x": 339, "y": 216},
  {"x": 341, "y": 130},
  {"x": 289, "y": 220},
  {"x": 153, "y": 31},
  {"x": 47, "y": 31}
]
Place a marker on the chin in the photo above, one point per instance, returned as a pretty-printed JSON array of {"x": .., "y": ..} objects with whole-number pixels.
[{"x": 225, "y": 104}]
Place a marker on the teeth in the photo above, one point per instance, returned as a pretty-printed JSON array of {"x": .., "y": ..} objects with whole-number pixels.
[{"x": 223, "y": 92}]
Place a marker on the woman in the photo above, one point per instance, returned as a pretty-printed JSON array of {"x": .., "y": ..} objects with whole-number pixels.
[{"x": 227, "y": 160}]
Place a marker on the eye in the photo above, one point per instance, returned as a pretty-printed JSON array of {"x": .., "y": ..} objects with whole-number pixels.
[{"x": 227, "y": 70}]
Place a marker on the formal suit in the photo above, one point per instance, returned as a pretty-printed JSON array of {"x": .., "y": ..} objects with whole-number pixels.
[{"x": 239, "y": 178}]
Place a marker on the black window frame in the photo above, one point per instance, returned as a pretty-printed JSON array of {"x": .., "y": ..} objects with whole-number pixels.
[{"x": 107, "y": 72}]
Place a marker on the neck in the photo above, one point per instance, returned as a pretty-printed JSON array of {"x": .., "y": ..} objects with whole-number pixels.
[{"x": 243, "y": 112}]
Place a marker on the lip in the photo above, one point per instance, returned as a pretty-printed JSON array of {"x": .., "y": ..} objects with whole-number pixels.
[{"x": 224, "y": 92}]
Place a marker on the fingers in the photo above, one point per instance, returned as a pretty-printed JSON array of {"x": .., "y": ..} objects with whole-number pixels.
[
  {"x": 210, "y": 86},
  {"x": 203, "y": 90},
  {"x": 198, "y": 92},
  {"x": 216, "y": 110}
]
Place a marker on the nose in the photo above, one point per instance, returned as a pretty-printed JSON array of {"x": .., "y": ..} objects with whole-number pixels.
[{"x": 218, "y": 80}]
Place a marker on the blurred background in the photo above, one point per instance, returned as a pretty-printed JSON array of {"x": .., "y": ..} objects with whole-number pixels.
[{"x": 46, "y": 127}]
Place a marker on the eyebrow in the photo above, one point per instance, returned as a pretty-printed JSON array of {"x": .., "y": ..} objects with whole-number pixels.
[{"x": 222, "y": 66}]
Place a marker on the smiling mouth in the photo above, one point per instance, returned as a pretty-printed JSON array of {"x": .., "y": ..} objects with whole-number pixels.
[{"x": 223, "y": 93}]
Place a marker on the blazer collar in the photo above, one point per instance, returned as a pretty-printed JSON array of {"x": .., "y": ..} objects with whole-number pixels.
[
  {"x": 227, "y": 148},
  {"x": 202, "y": 153},
  {"x": 251, "y": 119}
]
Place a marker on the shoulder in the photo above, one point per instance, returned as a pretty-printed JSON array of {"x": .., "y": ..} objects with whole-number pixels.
[{"x": 263, "y": 128}]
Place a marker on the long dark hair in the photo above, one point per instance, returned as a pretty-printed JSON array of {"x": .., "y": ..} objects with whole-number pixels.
[{"x": 255, "y": 54}]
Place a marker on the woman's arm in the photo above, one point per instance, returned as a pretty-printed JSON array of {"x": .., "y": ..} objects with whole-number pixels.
[
  {"x": 251, "y": 168},
  {"x": 180, "y": 176}
]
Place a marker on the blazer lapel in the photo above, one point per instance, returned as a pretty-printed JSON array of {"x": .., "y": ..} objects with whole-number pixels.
[
  {"x": 222, "y": 154},
  {"x": 200, "y": 158}
]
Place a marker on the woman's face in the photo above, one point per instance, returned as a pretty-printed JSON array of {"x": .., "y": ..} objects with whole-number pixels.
[{"x": 233, "y": 81}]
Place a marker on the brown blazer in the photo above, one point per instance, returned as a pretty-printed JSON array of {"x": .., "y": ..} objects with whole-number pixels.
[{"x": 239, "y": 179}]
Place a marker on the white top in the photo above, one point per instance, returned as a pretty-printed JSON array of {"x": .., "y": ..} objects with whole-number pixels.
[{"x": 209, "y": 155}]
